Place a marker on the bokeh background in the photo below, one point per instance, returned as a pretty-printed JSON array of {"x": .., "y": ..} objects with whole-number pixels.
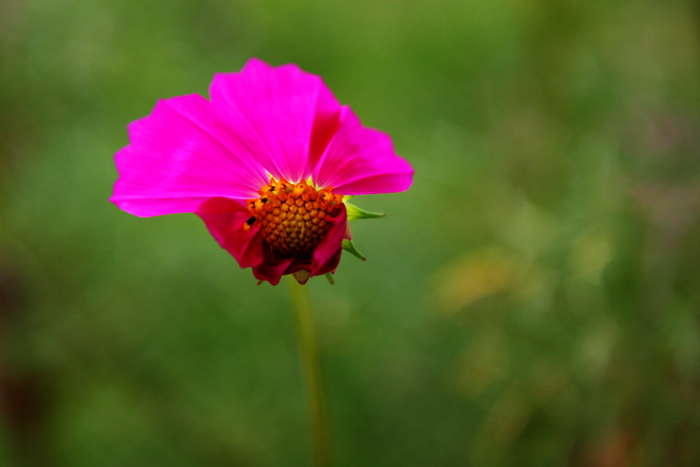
[{"x": 534, "y": 299}]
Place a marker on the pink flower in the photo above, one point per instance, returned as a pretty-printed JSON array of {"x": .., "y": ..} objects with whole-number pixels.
[{"x": 266, "y": 162}]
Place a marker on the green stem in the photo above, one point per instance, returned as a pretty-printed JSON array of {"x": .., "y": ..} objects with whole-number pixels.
[{"x": 311, "y": 367}]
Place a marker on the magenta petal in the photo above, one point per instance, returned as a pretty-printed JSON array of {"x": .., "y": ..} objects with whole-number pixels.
[
  {"x": 327, "y": 254},
  {"x": 283, "y": 115},
  {"x": 271, "y": 270},
  {"x": 177, "y": 159},
  {"x": 361, "y": 161},
  {"x": 225, "y": 219}
]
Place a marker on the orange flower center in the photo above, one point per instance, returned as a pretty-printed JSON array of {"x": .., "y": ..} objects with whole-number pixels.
[{"x": 293, "y": 218}]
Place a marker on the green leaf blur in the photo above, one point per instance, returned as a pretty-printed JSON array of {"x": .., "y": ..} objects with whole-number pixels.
[{"x": 533, "y": 300}]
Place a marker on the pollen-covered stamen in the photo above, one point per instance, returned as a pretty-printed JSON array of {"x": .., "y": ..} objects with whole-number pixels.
[{"x": 293, "y": 218}]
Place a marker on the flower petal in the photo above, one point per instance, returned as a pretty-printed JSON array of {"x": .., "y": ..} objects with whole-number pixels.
[
  {"x": 284, "y": 116},
  {"x": 361, "y": 161},
  {"x": 327, "y": 254},
  {"x": 178, "y": 158},
  {"x": 225, "y": 219},
  {"x": 272, "y": 270}
]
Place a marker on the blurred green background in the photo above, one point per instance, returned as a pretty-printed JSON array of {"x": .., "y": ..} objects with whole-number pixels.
[{"x": 534, "y": 299}]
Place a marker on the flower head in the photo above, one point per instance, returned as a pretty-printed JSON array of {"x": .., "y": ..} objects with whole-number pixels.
[{"x": 267, "y": 163}]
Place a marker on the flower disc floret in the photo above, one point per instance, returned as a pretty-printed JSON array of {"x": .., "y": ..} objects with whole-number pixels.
[{"x": 293, "y": 218}]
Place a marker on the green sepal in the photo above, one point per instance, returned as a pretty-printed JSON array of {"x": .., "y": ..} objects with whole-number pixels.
[
  {"x": 350, "y": 248},
  {"x": 356, "y": 213},
  {"x": 329, "y": 276}
]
